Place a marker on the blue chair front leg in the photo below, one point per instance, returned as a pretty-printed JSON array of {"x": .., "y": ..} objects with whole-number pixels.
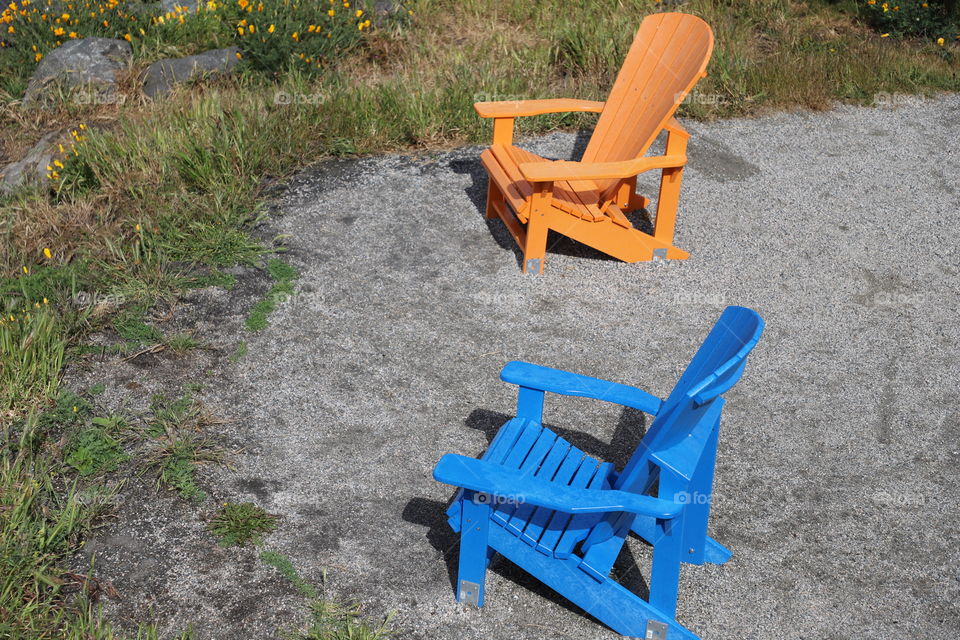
[{"x": 474, "y": 551}]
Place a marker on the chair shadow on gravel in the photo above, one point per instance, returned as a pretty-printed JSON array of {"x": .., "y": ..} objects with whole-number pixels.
[
  {"x": 432, "y": 513},
  {"x": 557, "y": 244}
]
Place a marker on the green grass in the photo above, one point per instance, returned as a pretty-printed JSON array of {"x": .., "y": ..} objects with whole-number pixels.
[
  {"x": 239, "y": 524},
  {"x": 177, "y": 445},
  {"x": 282, "y": 564},
  {"x": 97, "y": 449},
  {"x": 283, "y": 276}
]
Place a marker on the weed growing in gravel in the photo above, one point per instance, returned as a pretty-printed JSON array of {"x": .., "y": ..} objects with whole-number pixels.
[
  {"x": 177, "y": 446},
  {"x": 332, "y": 621},
  {"x": 181, "y": 342},
  {"x": 283, "y": 276},
  {"x": 96, "y": 449},
  {"x": 238, "y": 524},
  {"x": 282, "y": 564}
]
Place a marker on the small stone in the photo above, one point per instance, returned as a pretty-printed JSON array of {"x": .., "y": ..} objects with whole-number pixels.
[{"x": 33, "y": 166}]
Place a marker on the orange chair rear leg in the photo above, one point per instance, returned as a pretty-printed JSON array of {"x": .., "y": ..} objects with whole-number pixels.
[{"x": 669, "y": 196}]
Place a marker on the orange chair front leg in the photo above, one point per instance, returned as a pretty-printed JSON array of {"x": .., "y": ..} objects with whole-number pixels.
[{"x": 535, "y": 247}]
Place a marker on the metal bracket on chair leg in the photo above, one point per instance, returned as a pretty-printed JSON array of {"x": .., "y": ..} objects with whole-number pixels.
[
  {"x": 533, "y": 266},
  {"x": 660, "y": 254},
  {"x": 469, "y": 593},
  {"x": 656, "y": 630}
]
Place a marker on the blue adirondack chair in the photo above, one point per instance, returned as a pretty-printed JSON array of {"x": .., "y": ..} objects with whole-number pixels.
[{"x": 563, "y": 516}]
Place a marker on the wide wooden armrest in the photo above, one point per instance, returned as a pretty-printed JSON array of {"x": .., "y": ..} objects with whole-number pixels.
[
  {"x": 568, "y": 170},
  {"x": 565, "y": 383},
  {"x": 522, "y": 488},
  {"x": 519, "y": 108}
]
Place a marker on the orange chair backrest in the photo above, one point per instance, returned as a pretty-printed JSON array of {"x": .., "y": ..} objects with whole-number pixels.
[{"x": 668, "y": 55}]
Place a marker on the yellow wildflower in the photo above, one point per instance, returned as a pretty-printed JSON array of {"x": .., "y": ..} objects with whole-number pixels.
[
  {"x": 10, "y": 29},
  {"x": 26, "y": 270},
  {"x": 127, "y": 37},
  {"x": 271, "y": 29},
  {"x": 311, "y": 28},
  {"x": 239, "y": 55},
  {"x": 47, "y": 254},
  {"x": 331, "y": 13},
  {"x": 296, "y": 36},
  {"x": 940, "y": 41},
  {"x": 240, "y": 30},
  {"x": 358, "y": 13},
  {"x": 58, "y": 164},
  {"x": 45, "y": 301},
  {"x": 106, "y": 24},
  {"x": 253, "y": 28},
  {"x": 137, "y": 228},
  {"x": 884, "y": 35}
]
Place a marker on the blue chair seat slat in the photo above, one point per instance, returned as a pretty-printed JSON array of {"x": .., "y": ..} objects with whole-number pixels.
[
  {"x": 559, "y": 520},
  {"x": 541, "y": 516},
  {"x": 558, "y": 451}
]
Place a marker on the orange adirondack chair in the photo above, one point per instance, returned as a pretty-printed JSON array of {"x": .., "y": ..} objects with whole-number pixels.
[{"x": 586, "y": 200}]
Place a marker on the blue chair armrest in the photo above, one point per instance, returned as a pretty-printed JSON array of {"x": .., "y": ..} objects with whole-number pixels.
[
  {"x": 565, "y": 383},
  {"x": 512, "y": 485}
]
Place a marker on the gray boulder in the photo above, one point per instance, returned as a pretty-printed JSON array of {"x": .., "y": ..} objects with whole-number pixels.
[
  {"x": 33, "y": 166},
  {"x": 90, "y": 62},
  {"x": 159, "y": 78}
]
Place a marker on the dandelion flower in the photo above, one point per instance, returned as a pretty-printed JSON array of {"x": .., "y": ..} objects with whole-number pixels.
[{"x": 940, "y": 41}]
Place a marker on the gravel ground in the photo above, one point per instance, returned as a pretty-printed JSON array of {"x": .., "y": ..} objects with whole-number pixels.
[{"x": 837, "y": 478}]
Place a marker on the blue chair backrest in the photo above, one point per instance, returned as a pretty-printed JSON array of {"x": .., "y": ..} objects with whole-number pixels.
[{"x": 716, "y": 367}]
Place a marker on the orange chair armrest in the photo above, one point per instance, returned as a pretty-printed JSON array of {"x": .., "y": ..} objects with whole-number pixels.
[
  {"x": 519, "y": 108},
  {"x": 566, "y": 170}
]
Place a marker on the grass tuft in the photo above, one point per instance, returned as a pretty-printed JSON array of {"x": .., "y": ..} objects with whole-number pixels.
[{"x": 239, "y": 524}]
